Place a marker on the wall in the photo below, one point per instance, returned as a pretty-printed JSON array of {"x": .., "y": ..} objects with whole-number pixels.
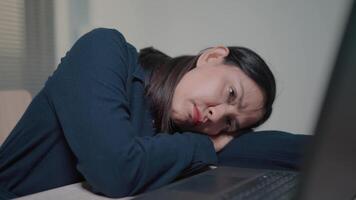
[{"x": 298, "y": 39}]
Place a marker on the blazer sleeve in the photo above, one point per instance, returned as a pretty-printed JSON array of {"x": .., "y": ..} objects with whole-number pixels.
[
  {"x": 268, "y": 149},
  {"x": 88, "y": 94}
]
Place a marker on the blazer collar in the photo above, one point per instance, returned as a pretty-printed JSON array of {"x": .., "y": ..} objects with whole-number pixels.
[{"x": 142, "y": 74}]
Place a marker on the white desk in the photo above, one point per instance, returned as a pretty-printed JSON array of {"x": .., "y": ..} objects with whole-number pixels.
[{"x": 69, "y": 192}]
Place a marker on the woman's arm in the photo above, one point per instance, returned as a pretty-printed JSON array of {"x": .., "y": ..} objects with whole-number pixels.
[
  {"x": 88, "y": 92},
  {"x": 266, "y": 149}
]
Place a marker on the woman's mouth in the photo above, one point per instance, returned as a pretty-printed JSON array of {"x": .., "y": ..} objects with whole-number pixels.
[{"x": 196, "y": 116}]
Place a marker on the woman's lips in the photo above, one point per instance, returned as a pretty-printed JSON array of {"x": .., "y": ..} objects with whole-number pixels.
[{"x": 196, "y": 116}]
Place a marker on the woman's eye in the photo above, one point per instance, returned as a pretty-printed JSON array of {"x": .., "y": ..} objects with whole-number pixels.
[
  {"x": 228, "y": 121},
  {"x": 231, "y": 125},
  {"x": 232, "y": 93}
]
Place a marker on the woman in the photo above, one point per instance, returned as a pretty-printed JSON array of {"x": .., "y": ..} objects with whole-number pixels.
[{"x": 126, "y": 127}]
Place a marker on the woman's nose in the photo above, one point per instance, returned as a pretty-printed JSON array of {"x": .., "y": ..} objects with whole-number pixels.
[{"x": 215, "y": 113}]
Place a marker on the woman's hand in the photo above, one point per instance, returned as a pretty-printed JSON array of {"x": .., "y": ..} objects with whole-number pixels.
[{"x": 221, "y": 140}]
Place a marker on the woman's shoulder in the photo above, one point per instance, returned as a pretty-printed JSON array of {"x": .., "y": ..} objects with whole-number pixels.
[
  {"x": 96, "y": 52},
  {"x": 104, "y": 44},
  {"x": 105, "y": 33},
  {"x": 104, "y": 36}
]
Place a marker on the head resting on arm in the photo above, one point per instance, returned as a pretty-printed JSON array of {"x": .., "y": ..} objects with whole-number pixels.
[{"x": 219, "y": 89}]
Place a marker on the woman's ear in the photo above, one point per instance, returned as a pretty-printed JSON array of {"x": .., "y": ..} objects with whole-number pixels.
[{"x": 212, "y": 56}]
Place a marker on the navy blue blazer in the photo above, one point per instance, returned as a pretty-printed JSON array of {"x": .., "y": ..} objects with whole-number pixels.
[{"x": 92, "y": 122}]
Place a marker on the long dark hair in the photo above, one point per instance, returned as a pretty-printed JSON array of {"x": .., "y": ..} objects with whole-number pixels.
[{"x": 166, "y": 72}]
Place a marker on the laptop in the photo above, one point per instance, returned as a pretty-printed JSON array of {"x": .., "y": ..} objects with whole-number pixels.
[{"x": 329, "y": 171}]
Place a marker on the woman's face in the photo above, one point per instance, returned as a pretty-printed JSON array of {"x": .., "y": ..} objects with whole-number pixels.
[{"x": 214, "y": 98}]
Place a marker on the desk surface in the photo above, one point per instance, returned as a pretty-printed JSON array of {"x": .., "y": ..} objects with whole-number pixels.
[{"x": 69, "y": 192}]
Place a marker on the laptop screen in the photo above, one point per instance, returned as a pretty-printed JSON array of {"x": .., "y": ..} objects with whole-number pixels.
[{"x": 330, "y": 170}]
